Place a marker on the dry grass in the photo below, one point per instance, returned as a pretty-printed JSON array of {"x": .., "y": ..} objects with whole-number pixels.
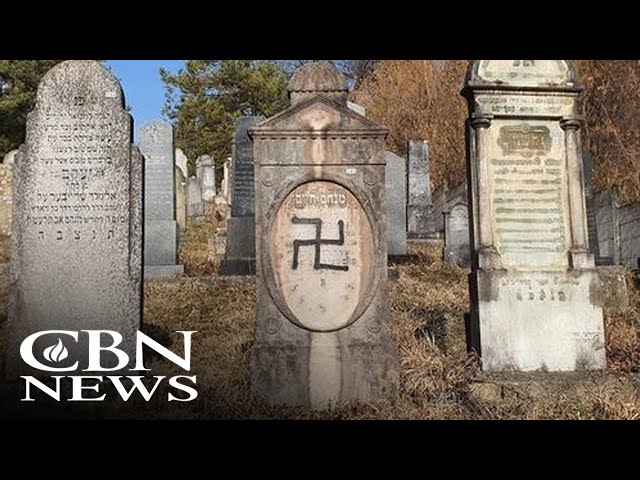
[{"x": 439, "y": 380}]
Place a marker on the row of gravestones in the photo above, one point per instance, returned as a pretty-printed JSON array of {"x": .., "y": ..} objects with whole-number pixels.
[{"x": 319, "y": 171}]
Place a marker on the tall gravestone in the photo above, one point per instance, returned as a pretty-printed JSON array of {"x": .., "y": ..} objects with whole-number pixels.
[
  {"x": 396, "y": 186},
  {"x": 181, "y": 199},
  {"x": 182, "y": 162},
  {"x": 77, "y": 225},
  {"x": 194, "y": 198},
  {"x": 240, "y": 249},
  {"x": 224, "y": 186},
  {"x": 457, "y": 250},
  {"x": 322, "y": 321},
  {"x": 536, "y": 296},
  {"x": 160, "y": 226},
  {"x": 420, "y": 222},
  {"x": 206, "y": 171}
]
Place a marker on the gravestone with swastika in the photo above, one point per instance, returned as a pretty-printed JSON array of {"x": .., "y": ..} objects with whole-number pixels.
[{"x": 322, "y": 323}]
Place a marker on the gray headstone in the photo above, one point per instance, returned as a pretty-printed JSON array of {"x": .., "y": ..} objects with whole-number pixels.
[
  {"x": 77, "y": 231},
  {"x": 538, "y": 304},
  {"x": 182, "y": 162},
  {"x": 323, "y": 334},
  {"x": 206, "y": 169},
  {"x": 194, "y": 197},
  {"x": 181, "y": 200},
  {"x": 396, "y": 185},
  {"x": 420, "y": 215},
  {"x": 160, "y": 226},
  {"x": 240, "y": 253},
  {"x": 457, "y": 249}
]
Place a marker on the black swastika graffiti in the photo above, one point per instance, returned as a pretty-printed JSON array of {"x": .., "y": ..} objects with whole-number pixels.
[{"x": 317, "y": 243}]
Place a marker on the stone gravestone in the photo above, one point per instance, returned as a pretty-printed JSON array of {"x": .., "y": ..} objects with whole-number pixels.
[
  {"x": 224, "y": 186},
  {"x": 160, "y": 226},
  {"x": 181, "y": 199},
  {"x": 456, "y": 236},
  {"x": 322, "y": 322},
  {"x": 194, "y": 198},
  {"x": 537, "y": 302},
  {"x": 77, "y": 226},
  {"x": 182, "y": 162},
  {"x": 240, "y": 249},
  {"x": 420, "y": 223},
  {"x": 396, "y": 186},
  {"x": 206, "y": 169}
]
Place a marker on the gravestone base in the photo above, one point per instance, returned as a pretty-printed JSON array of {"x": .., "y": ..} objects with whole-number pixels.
[
  {"x": 160, "y": 242},
  {"x": 240, "y": 252},
  {"x": 322, "y": 370},
  {"x": 537, "y": 320},
  {"x": 156, "y": 272}
]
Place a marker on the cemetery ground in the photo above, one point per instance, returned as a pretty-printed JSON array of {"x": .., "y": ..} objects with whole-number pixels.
[{"x": 438, "y": 379}]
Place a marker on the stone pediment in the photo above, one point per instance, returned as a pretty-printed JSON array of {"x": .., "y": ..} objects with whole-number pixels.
[
  {"x": 543, "y": 74},
  {"x": 318, "y": 116}
]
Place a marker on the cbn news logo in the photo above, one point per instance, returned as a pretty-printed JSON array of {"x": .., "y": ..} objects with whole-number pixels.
[{"x": 57, "y": 352}]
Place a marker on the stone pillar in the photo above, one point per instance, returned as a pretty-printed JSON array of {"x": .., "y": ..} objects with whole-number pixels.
[
  {"x": 420, "y": 221},
  {"x": 396, "y": 186},
  {"x": 160, "y": 226},
  {"x": 207, "y": 177},
  {"x": 194, "y": 196},
  {"x": 536, "y": 297},
  {"x": 323, "y": 334},
  {"x": 240, "y": 249}
]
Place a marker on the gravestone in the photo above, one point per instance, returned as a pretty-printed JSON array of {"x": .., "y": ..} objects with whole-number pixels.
[
  {"x": 224, "y": 186},
  {"x": 240, "y": 250},
  {"x": 536, "y": 296},
  {"x": 206, "y": 169},
  {"x": 396, "y": 187},
  {"x": 6, "y": 197},
  {"x": 420, "y": 221},
  {"x": 181, "y": 200},
  {"x": 457, "y": 250},
  {"x": 182, "y": 162},
  {"x": 194, "y": 199},
  {"x": 77, "y": 225},
  {"x": 322, "y": 322},
  {"x": 160, "y": 226}
]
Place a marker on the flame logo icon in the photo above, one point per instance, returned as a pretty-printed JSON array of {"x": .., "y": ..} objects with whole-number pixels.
[{"x": 56, "y": 353}]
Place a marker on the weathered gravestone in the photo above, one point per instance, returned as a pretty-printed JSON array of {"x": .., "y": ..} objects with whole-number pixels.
[
  {"x": 77, "y": 226},
  {"x": 456, "y": 236},
  {"x": 420, "y": 221},
  {"x": 181, "y": 199},
  {"x": 396, "y": 187},
  {"x": 194, "y": 198},
  {"x": 224, "y": 186},
  {"x": 206, "y": 172},
  {"x": 182, "y": 162},
  {"x": 240, "y": 250},
  {"x": 322, "y": 322},
  {"x": 536, "y": 297},
  {"x": 160, "y": 226},
  {"x": 591, "y": 207}
]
